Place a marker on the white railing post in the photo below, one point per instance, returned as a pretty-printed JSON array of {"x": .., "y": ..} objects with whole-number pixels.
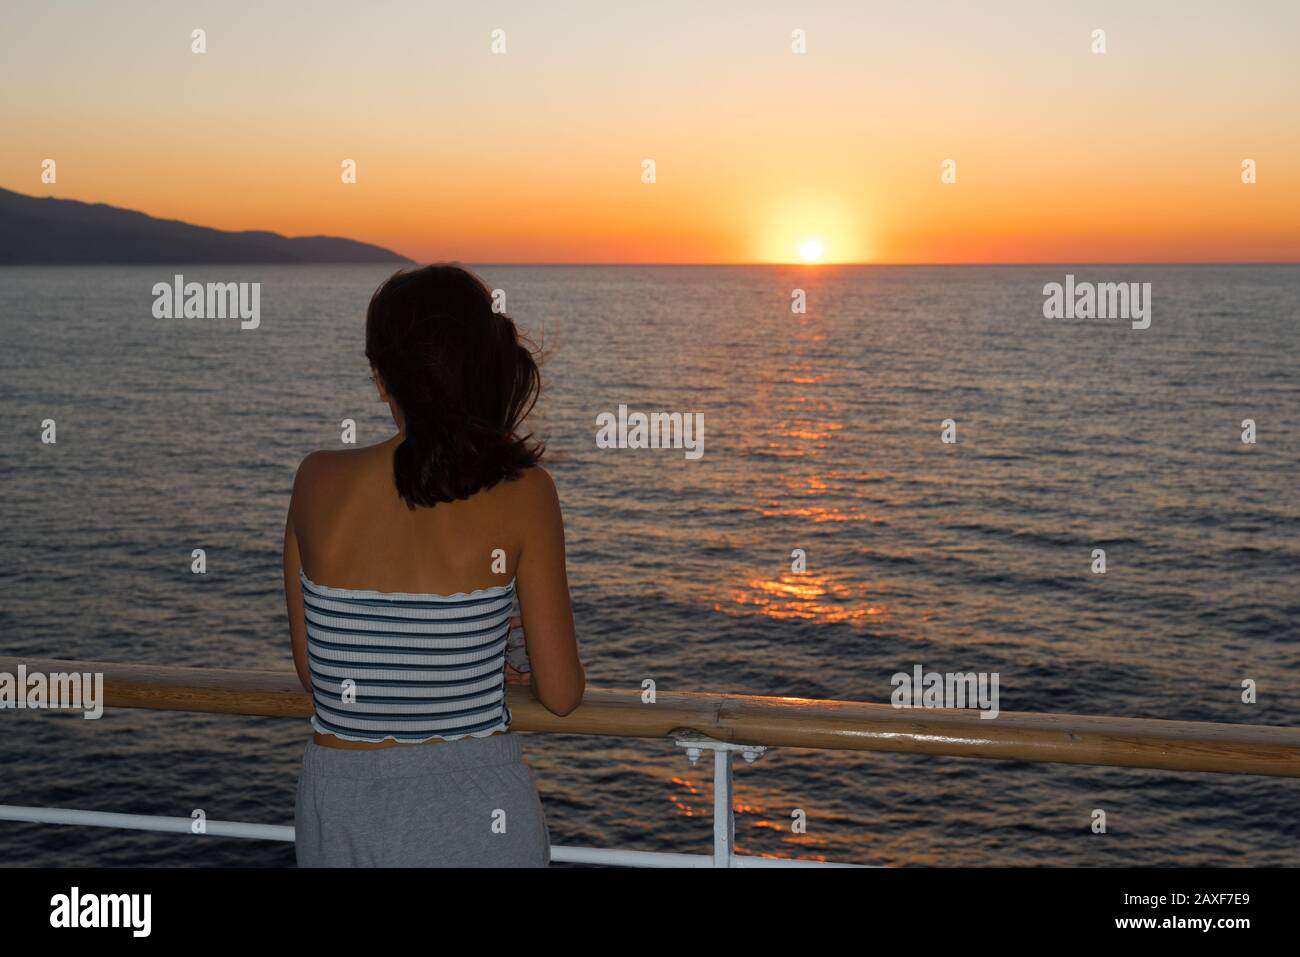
[{"x": 724, "y": 816}]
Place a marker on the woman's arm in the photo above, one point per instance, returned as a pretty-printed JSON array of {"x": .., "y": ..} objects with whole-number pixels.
[
  {"x": 293, "y": 587},
  {"x": 557, "y": 677}
]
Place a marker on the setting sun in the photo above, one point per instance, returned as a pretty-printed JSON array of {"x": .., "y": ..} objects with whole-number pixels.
[{"x": 811, "y": 250}]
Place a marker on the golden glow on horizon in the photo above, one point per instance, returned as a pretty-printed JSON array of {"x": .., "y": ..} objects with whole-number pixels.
[
  {"x": 811, "y": 250},
  {"x": 812, "y": 227}
]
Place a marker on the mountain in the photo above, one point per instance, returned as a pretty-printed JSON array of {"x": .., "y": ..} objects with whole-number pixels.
[{"x": 36, "y": 231}]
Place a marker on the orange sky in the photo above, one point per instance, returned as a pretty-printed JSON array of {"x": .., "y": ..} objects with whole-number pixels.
[{"x": 535, "y": 155}]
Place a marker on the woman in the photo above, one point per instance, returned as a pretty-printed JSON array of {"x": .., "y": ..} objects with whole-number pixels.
[{"x": 401, "y": 564}]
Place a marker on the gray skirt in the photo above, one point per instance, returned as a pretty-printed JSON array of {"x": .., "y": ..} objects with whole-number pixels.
[{"x": 464, "y": 803}]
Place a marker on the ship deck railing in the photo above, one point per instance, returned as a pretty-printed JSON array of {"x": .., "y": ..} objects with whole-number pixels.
[{"x": 724, "y": 724}]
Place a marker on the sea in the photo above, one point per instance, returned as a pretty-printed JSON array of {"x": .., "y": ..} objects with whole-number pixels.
[{"x": 827, "y": 539}]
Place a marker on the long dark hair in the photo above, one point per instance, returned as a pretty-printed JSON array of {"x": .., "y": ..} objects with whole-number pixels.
[{"x": 463, "y": 377}]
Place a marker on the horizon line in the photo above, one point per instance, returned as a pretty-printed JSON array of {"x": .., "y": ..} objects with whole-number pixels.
[
  {"x": 808, "y": 265},
  {"x": 415, "y": 263}
]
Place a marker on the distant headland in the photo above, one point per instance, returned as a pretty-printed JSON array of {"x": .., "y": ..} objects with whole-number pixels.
[{"x": 49, "y": 231}]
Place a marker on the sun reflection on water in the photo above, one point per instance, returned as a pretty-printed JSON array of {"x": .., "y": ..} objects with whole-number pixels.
[{"x": 804, "y": 597}]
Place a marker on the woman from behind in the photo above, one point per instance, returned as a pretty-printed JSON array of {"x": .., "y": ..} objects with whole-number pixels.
[{"x": 402, "y": 562}]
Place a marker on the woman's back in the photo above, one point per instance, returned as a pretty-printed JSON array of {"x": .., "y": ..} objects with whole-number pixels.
[
  {"x": 348, "y": 529},
  {"x": 354, "y": 531}
]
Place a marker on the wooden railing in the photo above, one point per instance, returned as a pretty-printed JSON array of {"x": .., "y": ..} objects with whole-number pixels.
[{"x": 774, "y": 722}]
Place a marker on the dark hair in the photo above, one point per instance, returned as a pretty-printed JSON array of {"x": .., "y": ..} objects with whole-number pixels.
[{"x": 463, "y": 377}]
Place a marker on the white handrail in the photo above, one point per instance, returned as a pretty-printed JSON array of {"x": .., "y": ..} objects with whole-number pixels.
[{"x": 282, "y": 832}]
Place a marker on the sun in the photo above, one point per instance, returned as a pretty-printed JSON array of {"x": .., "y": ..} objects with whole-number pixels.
[{"x": 811, "y": 250}]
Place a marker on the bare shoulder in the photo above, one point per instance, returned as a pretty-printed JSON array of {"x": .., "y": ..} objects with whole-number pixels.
[
  {"x": 315, "y": 468},
  {"x": 533, "y": 493},
  {"x": 537, "y": 481},
  {"x": 325, "y": 467},
  {"x": 536, "y": 484}
]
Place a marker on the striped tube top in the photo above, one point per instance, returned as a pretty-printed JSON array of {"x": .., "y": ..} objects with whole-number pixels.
[{"x": 407, "y": 667}]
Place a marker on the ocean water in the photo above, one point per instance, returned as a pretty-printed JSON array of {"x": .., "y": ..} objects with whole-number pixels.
[{"x": 822, "y": 433}]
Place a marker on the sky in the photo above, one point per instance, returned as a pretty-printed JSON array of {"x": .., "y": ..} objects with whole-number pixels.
[{"x": 761, "y": 154}]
